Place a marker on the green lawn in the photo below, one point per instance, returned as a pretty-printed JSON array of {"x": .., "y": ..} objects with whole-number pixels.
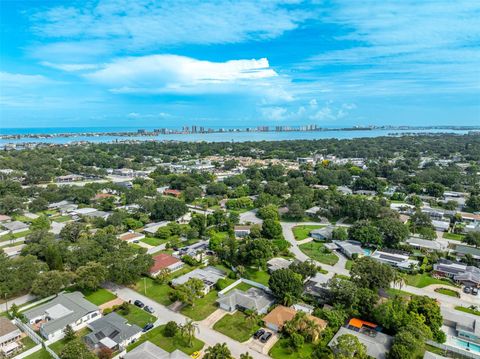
[
  {"x": 282, "y": 350},
  {"x": 138, "y": 316},
  {"x": 61, "y": 219},
  {"x": 468, "y": 310},
  {"x": 449, "y": 292},
  {"x": 41, "y": 354},
  {"x": 401, "y": 293},
  {"x": 258, "y": 276},
  {"x": 243, "y": 286},
  {"x": 157, "y": 337},
  {"x": 424, "y": 280},
  {"x": 318, "y": 252},
  {"x": 28, "y": 343},
  {"x": 454, "y": 236},
  {"x": 100, "y": 296},
  {"x": 236, "y": 326},
  {"x": 202, "y": 307},
  {"x": 303, "y": 231},
  {"x": 57, "y": 347},
  {"x": 157, "y": 292},
  {"x": 153, "y": 241},
  {"x": 348, "y": 264},
  {"x": 6, "y": 237}
]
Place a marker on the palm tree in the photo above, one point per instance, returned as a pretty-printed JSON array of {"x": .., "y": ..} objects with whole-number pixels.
[
  {"x": 251, "y": 317},
  {"x": 218, "y": 351},
  {"x": 188, "y": 330},
  {"x": 288, "y": 299},
  {"x": 399, "y": 279},
  {"x": 246, "y": 356}
]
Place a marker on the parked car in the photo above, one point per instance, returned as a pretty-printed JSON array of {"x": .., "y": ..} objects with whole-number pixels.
[
  {"x": 139, "y": 303},
  {"x": 467, "y": 290},
  {"x": 147, "y": 327},
  {"x": 265, "y": 337},
  {"x": 195, "y": 355},
  {"x": 258, "y": 333},
  {"x": 149, "y": 309},
  {"x": 475, "y": 291}
]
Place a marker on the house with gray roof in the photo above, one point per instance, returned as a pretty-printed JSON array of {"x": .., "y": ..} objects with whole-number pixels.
[
  {"x": 112, "y": 332},
  {"x": 15, "y": 226},
  {"x": 65, "y": 309},
  {"x": 376, "y": 343},
  {"x": 254, "y": 299},
  {"x": 322, "y": 234},
  {"x": 148, "y": 350},
  {"x": 350, "y": 248},
  {"x": 466, "y": 326},
  {"x": 395, "y": 258},
  {"x": 10, "y": 336},
  {"x": 278, "y": 263},
  {"x": 208, "y": 275},
  {"x": 425, "y": 244},
  {"x": 459, "y": 272},
  {"x": 461, "y": 250}
]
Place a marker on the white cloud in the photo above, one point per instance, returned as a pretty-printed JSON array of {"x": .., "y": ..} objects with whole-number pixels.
[
  {"x": 16, "y": 80},
  {"x": 329, "y": 112},
  {"x": 70, "y": 67},
  {"x": 179, "y": 74}
]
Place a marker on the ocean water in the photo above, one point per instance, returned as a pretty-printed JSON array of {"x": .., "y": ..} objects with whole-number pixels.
[{"x": 207, "y": 137}]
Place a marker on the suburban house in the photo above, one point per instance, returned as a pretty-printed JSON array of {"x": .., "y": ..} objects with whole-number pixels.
[
  {"x": 65, "y": 309},
  {"x": 462, "y": 250},
  {"x": 241, "y": 231},
  {"x": 470, "y": 217},
  {"x": 312, "y": 212},
  {"x": 208, "y": 275},
  {"x": 131, "y": 237},
  {"x": 440, "y": 226},
  {"x": 322, "y": 234},
  {"x": 15, "y": 227},
  {"x": 376, "y": 343},
  {"x": 350, "y": 248},
  {"x": 317, "y": 286},
  {"x": 253, "y": 299},
  {"x": 5, "y": 218},
  {"x": 395, "y": 258},
  {"x": 472, "y": 227},
  {"x": 112, "y": 332},
  {"x": 459, "y": 272},
  {"x": 152, "y": 228},
  {"x": 172, "y": 192},
  {"x": 165, "y": 261},
  {"x": 427, "y": 245},
  {"x": 9, "y": 337},
  {"x": 98, "y": 214},
  {"x": 466, "y": 326},
  {"x": 148, "y": 350},
  {"x": 195, "y": 250},
  {"x": 84, "y": 211},
  {"x": 276, "y": 319},
  {"x": 278, "y": 263}
]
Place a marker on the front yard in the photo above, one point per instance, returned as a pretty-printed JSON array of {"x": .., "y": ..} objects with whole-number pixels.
[
  {"x": 454, "y": 236},
  {"x": 318, "y": 252},
  {"x": 137, "y": 316},
  {"x": 424, "y": 280},
  {"x": 283, "y": 350},
  {"x": 303, "y": 231},
  {"x": 203, "y": 306},
  {"x": 41, "y": 354},
  {"x": 258, "y": 276},
  {"x": 236, "y": 326},
  {"x": 157, "y": 337},
  {"x": 153, "y": 241},
  {"x": 100, "y": 296}
]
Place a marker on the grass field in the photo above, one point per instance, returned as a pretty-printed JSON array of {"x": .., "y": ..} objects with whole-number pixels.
[
  {"x": 158, "y": 292},
  {"x": 236, "y": 327},
  {"x": 138, "y": 316},
  {"x": 153, "y": 241},
  {"x": 401, "y": 293},
  {"x": 317, "y": 251},
  {"x": 6, "y": 237},
  {"x": 449, "y": 292},
  {"x": 282, "y": 350},
  {"x": 348, "y": 264},
  {"x": 424, "y": 280},
  {"x": 454, "y": 236},
  {"x": 303, "y": 231},
  {"x": 41, "y": 354},
  {"x": 258, "y": 276},
  {"x": 61, "y": 219},
  {"x": 468, "y": 310},
  {"x": 202, "y": 307},
  {"x": 157, "y": 337},
  {"x": 100, "y": 296}
]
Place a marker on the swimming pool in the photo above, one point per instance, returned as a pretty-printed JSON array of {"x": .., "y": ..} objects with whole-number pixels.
[
  {"x": 466, "y": 345},
  {"x": 367, "y": 251}
]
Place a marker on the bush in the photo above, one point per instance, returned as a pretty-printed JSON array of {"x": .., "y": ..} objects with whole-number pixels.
[
  {"x": 221, "y": 284},
  {"x": 171, "y": 329},
  {"x": 124, "y": 308}
]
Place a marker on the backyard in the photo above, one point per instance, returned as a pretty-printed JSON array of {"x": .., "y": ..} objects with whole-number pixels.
[
  {"x": 283, "y": 350},
  {"x": 157, "y": 337},
  {"x": 236, "y": 326},
  {"x": 303, "y": 231},
  {"x": 41, "y": 354},
  {"x": 58, "y": 345},
  {"x": 258, "y": 276},
  {"x": 318, "y": 252}
]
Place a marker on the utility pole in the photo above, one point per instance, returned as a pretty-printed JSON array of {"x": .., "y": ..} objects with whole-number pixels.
[{"x": 145, "y": 285}]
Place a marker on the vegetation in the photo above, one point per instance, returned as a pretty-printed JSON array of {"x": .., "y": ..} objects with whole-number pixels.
[
  {"x": 237, "y": 326},
  {"x": 318, "y": 252},
  {"x": 303, "y": 231}
]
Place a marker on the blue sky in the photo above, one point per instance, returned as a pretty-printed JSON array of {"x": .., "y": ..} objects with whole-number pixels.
[{"x": 239, "y": 63}]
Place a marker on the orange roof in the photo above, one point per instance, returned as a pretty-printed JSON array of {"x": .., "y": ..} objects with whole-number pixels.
[
  {"x": 280, "y": 315},
  {"x": 103, "y": 195},
  {"x": 128, "y": 236},
  {"x": 358, "y": 323},
  {"x": 161, "y": 261}
]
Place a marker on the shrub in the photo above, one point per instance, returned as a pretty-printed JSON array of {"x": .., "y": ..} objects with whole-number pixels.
[{"x": 171, "y": 329}]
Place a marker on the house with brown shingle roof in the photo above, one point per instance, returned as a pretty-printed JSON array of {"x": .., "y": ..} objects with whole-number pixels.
[
  {"x": 165, "y": 261},
  {"x": 131, "y": 237},
  {"x": 276, "y": 319}
]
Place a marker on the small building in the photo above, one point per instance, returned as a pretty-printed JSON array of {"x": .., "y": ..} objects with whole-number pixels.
[
  {"x": 148, "y": 350},
  {"x": 65, "y": 309},
  {"x": 208, "y": 275},
  {"x": 112, "y": 332},
  {"x": 98, "y": 214},
  {"x": 241, "y": 231},
  {"x": 441, "y": 226},
  {"x": 131, "y": 237},
  {"x": 377, "y": 344},
  {"x": 313, "y": 212},
  {"x": 322, "y": 234},
  {"x": 350, "y": 248},
  {"x": 5, "y": 218},
  {"x": 395, "y": 258},
  {"x": 152, "y": 228},
  {"x": 276, "y": 319},
  {"x": 172, "y": 192},
  {"x": 15, "y": 227},
  {"x": 165, "y": 261},
  {"x": 84, "y": 211},
  {"x": 9, "y": 337},
  {"x": 254, "y": 299},
  {"x": 68, "y": 178},
  {"x": 278, "y": 263},
  {"x": 317, "y": 285},
  {"x": 425, "y": 244}
]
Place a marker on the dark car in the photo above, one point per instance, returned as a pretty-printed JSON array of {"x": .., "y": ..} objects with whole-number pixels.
[
  {"x": 149, "y": 309},
  {"x": 265, "y": 337},
  {"x": 258, "y": 333},
  {"x": 467, "y": 290},
  {"x": 147, "y": 327},
  {"x": 139, "y": 303}
]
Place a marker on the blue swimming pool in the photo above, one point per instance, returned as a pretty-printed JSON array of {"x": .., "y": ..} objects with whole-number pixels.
[
  {"x": 368, "y": 252},
  {"x": 466, "y": 345}
]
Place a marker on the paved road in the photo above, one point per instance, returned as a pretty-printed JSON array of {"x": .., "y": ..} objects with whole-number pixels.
[
  {"x": 17, "y": 240},
  {"x": 18, "y": 301},
  {"x": 250, "y": 216},
  {"x": 163, "y": 314},
  {"x": 465, "y": 300}
]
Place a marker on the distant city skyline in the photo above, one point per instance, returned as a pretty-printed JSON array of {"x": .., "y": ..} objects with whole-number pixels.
[{"x": 239, "y": 64}]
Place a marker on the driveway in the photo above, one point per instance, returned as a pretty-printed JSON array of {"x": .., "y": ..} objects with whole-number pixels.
[
  {"x": 250, "y": 216},
  {"x": 164, "y": 315}
]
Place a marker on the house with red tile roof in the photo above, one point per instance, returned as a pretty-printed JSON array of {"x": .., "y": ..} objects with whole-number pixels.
[
  {"x": 165, "y": 261},
  {"x": 172, "y": 192}
]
